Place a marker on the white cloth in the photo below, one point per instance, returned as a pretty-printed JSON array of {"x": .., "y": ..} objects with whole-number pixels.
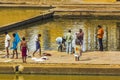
[
  {"x": 7, "y": 39},
  {"x": 73, "y": 41},
  {"x": 59, "y": 40},
  {"x": 36, "y": 38},
  {"x": 38, "y": 59}
]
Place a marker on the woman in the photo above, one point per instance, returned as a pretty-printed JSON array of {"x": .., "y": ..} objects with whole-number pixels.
[{"x": 16, "y": 40}]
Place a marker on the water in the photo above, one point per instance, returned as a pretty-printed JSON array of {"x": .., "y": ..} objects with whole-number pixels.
[
  {"x": 56, "y": 77},
  {"x": 52, "y": 28},
  {"x": 12, "y": 15}
]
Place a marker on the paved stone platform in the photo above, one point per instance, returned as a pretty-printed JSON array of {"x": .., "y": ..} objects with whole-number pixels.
[
  {"x": 91, "y": 63},
  {"x": 94, "y": 57}
]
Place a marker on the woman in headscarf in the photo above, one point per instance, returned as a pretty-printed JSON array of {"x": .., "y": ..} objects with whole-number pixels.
[{"x": 16, "y": 40}]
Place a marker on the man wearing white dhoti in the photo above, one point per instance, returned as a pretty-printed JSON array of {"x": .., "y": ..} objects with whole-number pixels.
[{"x": 7, "y": 43}]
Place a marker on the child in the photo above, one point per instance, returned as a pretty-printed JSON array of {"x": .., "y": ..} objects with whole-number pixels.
[
  {"x": 78, "y": 50},
  {"x": 23, "y": 48}
]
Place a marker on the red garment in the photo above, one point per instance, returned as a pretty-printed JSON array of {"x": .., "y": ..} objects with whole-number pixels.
[{"x": 24, "y": 51}]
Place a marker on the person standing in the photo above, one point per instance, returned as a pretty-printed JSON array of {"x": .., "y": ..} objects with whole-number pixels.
[
  {"x": 37, "y": 42},
  {"x": 78, "y": 50},
  {"x": 16, "y": 40},
  {"x": 7, "y": 43},
  {"x": 100, "y": 34},
  {"x": 23, "y": 48},
  {"x": 80, "y": 36},
  {"x": 69, "y": 39}
]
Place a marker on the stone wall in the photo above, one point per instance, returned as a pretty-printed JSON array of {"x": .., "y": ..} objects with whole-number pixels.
[
  {"x": 36, "y": 1},
  {"x": 54, "y": 1}
]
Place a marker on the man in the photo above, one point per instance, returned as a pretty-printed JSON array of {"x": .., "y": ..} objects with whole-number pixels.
[
  {"x": 59, "y": 42},
  {"x": 7, "y": 43},
  {"x": 69, "y": 39},
  {"x": 79, "y": 42},
  {"x": 80, "y": 36},
  {"x": 38, "y": 47},
  {"x": 100, "y": 37}
]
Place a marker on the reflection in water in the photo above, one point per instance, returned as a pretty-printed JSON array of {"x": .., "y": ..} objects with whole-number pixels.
[
  {"x": 46, "y": 39},
  {"x": 18, "y": 77},
  {"x": 51, "y": 29},
  {"x": 118, "y": 36},
  {"x": 56, "y": 77}
]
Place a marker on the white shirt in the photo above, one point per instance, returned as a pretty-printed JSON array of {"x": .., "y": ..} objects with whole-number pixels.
[
  {"x": 59, "y": 40},
  {"x": 7, "y": 39},
  {"x": 36, "y": 38}
]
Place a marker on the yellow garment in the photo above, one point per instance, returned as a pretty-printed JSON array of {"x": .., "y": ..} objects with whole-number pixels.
[{"x": 78, "y": 49}]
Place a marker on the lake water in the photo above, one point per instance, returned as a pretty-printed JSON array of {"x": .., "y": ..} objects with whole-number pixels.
[
  {"x": 53, "y": 28},
  {"x": 56, "y": 77},
  {"x": 12, "y": 15}
]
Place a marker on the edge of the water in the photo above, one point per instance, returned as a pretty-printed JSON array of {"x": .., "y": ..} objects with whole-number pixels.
[
  {"x": 60, "y": 68},
  {"x": 57, "y": 68}
]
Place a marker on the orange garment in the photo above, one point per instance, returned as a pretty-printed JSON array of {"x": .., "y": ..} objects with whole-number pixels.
[
  {"x": 100, "y": 33},
  {"x": 78, "y": 49}
]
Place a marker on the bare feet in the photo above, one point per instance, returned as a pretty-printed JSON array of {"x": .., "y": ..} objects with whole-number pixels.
[
  {"x": 7, "y": 56},
  {"x": 12, "y": 57},
  {"x": 24, "y": 62},
  {"x": 16, "y": 58}
]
